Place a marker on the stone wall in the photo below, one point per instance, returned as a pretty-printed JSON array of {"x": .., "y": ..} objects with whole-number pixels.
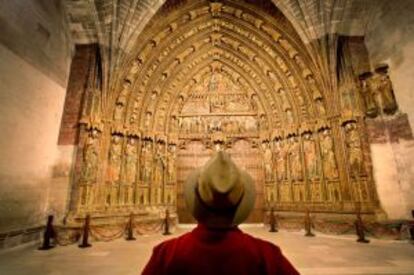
[
  {"x": 35, "y": 55},
  {"x": 390, "y": 39}
]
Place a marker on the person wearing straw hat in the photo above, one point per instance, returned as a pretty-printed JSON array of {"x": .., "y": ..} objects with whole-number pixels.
[{"x": 220, "y": 196}]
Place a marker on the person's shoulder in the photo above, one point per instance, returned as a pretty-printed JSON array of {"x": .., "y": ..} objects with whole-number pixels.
[
  {"x": 171, "y": 242},
  {"x": 263, "y": 244}
]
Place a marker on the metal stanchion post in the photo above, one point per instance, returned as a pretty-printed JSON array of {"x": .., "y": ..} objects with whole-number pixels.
[
  {"x": 360, "y": 228},
  {"x": 167, "y": 223},
  {"x": 130, "y": 228},
  {"x": 273, "y": 221},
  {"x": 85, "y": 233},
  {"x": 308, "y": 224},
  {"x": 48, "y": 234}
]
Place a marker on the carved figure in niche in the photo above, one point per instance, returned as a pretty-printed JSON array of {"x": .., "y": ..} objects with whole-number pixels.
[
  {"x": 134, "y": 114},
  {"x": 171, "y": 164},
  {"x": 330, "y": 167},
  {"x": 147, "y": 120},
  {"x": 281, "y": 154},
  {"x": 320, "y": 107},
  {"x": 288, "y": 47},
  {"x": 295, "y": 163},
  {"x": 180, "y": 104},
  {"x": 90, "y": 158},
  {"x": 131, "y": 159},
  {"x": 184, "y": 125},
  {"x": 242, "y": 125},
  {"x": 311, "y": 156},
  {"x": 203, "y": 125},
  {"x": 299, "y": 61},
  {"x": 123, "y": 96},
  {"x": 217, "y": 104},
  {"x": 114, "y": 169},
  {"x": 289, "y": 116},
  {"x": 313, "y": 87},
  {"x": 115, "y": 159},
  {"x": 263, "y": 123},
  {"x": 89, "y": 169},
  {"x": 267, "y": 161},
  {"x": 152, "y": 102},
  {"x": 385, "y": 90},
  {"x": 282, "y": 64},
  {"x": 370, "y": 106},
  {"x": 354, "y": 146},
  {"x": 130, "y": 171},
  {"x": 253, "y": 103},
  {"x": 285, "y": 100},
  {"x": 134, "y": 70},
  {"x": 146, "y": 162},
  {"x": 119, "y": 113},
  {"x": 175, "y": 124},
  {"x": 160, "y": 164}
]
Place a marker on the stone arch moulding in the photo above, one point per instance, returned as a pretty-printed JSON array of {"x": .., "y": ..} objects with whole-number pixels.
[{"x": 220, "y": 72}]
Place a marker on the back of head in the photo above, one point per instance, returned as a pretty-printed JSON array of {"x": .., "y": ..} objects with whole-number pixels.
[{"x": 220, "y": 195}]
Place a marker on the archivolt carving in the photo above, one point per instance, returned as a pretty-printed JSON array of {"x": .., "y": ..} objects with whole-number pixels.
[{"x": 217, "y": 73}]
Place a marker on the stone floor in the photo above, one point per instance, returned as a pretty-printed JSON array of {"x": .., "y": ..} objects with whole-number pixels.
[{"x": 320, "y": 255}]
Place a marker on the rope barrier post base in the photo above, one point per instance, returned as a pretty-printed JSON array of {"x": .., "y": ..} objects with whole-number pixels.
[
  {"x": 130, "y": 228},
  {"x": 167, "y": 223},
  {"x": 308, "y": 224},
  {"x": 360, "y": 228},
  {"x": 85, "y": 236},
  {"x": 48, "y": 234},
  {"x": 273, "y": 221}
]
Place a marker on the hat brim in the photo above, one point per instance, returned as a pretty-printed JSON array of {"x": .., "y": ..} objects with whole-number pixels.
[{"x": 210, "y": 218}]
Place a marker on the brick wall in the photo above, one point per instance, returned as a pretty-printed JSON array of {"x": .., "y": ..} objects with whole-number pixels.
[{"x": 81, "y": 63}]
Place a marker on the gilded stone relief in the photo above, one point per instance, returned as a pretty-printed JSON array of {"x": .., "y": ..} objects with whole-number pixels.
[{"x": 219, "y": 75}]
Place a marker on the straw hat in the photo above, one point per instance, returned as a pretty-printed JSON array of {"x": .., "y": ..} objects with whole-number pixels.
[{"x": 220, "y": 195}]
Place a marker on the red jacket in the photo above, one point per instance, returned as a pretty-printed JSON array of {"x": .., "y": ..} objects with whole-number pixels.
[{"x": 214, "y": 252}]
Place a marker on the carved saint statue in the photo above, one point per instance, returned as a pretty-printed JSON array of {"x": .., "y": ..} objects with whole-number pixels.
[
  {"x": 131, "y": 158},
  {"x": 130, "y": 170},
  {"x": 386, "y": 92},
  {"x": 119, "y": 113},
  {"x": 90, "y": 158},
  {"x": 263, "y": 123},
  {"x": 147, "y": 120},
  {"x": 316, "y": 95},
  {"x": 134, "y": 70},
  {"x": 281, "y": 158},
  {"x": 175, "y": 124},
  {"x": 160, "y": 164},
  {"x": 295, "y": 163},
  {"x": 114, "y": 169},
  {"x": 89, "y": 169},
  {"x": 370, "y": 106},
  {"x": 354, "y": 146},
  {"x": 171, "y": 164},
  {"x": 123, "y": 96},
  {"x": 152, "y": 102},
  {"x": 115, "y": 159},
  {"x": 146, "y": 162},
  {"x": 311, "y": 156},
  {"x": 330, "y": 167},
  {"x": 267, "y": 162},
  {"x": 289, "y": 116}
]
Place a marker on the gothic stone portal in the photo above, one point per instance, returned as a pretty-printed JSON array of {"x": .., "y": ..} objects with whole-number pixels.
[{"x": 231, "y": 76}]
